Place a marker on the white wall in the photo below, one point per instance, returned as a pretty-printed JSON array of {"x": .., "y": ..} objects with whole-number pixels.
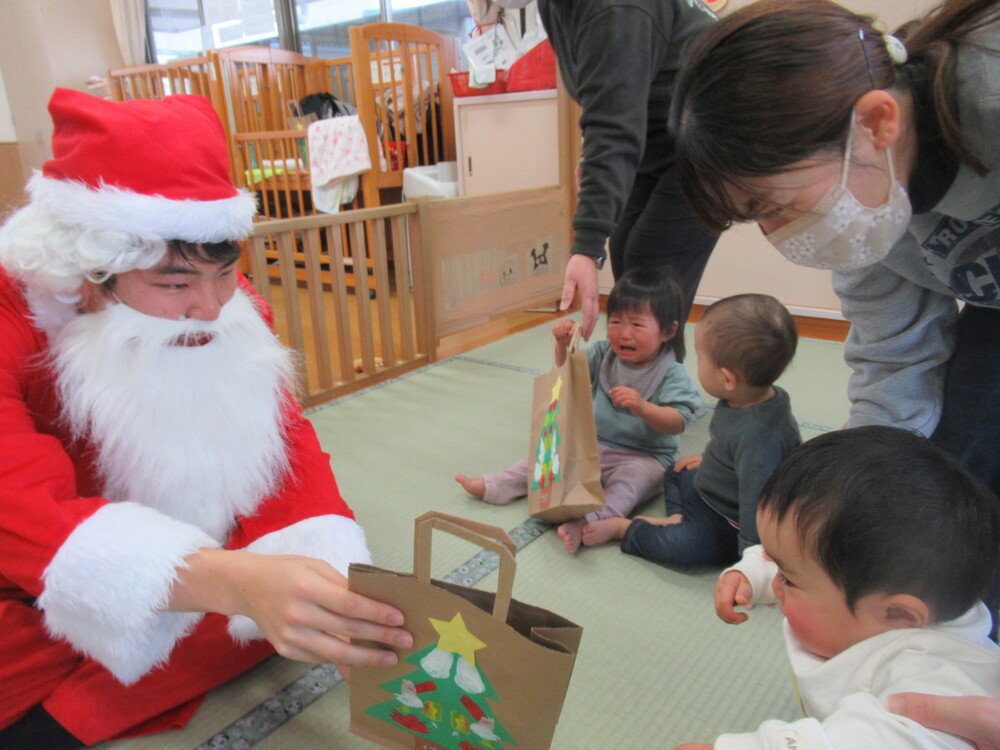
[
  {"x": 7, "y": 132},
  {"x": 45, "y": 44}
]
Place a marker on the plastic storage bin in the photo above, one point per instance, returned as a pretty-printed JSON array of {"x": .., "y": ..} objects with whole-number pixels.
[
  {"x": 436, "y": 180},
  {"x": 460, "y": 84}
]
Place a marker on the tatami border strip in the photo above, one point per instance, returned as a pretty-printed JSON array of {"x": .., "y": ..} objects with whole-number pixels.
[{"x": 501, "y": 365}]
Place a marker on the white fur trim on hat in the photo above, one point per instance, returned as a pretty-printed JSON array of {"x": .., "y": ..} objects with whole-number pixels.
[
  {"x": 336, "y": 539},
  {"x": 106, "y": 587},
  {"x": 149, "y": 216}
]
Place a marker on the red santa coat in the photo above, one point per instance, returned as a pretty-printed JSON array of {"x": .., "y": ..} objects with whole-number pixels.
[{"x": 117, "y": 664}]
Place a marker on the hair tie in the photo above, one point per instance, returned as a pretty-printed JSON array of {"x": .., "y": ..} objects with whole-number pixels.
[{"x": 895, "y": 48}]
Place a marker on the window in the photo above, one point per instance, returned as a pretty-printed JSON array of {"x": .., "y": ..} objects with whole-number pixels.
[
  {"x": 323, "y": 24},
  {"x": 186, "y": 28},
  {"x": 445, "y": 16}
]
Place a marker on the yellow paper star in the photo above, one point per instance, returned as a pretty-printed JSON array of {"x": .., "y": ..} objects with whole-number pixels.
[
  {"x": 556, "y": 388},
  {"x": 455, "y": 637}
]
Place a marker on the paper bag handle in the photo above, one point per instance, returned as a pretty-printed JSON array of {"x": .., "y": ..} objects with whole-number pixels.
[
  {"x": 485, "y": 535},
  {"x": 574, "y": 344},
  {"x": 294, "y": 109}
]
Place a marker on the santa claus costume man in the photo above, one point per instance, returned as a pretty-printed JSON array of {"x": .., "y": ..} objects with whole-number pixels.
[{"x": 167, "y": 516}]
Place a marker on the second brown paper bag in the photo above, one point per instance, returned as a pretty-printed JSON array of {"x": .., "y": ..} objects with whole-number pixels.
[
  {"x": 564, "y": 477},
  {"x": 486, "y": 671}
]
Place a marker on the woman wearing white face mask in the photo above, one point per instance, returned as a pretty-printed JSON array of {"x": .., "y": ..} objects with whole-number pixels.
[{"x": 881, "y": 162}]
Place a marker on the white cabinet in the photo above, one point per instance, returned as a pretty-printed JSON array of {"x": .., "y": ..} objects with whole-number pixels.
[{"x": 507, "y": 142}]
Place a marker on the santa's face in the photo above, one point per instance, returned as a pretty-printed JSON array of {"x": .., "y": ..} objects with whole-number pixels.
[
  {"x": 176, "y": 288},
  {"x": 195, "y": 431}
]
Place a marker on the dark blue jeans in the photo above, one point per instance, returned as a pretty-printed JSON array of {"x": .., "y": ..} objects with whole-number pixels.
[
  {"x": 970, "y": 420},
  {"x": 703, "y": 538}
]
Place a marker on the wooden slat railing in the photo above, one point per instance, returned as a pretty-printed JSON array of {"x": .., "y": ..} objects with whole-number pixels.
[{"x": 350, "y": 330}]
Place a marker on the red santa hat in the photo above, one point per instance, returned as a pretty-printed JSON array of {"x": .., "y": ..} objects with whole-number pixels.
[{"x": 158, "y": 169}]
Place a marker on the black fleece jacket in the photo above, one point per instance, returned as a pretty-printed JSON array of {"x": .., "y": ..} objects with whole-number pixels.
[{"x": 618, "y": 60}]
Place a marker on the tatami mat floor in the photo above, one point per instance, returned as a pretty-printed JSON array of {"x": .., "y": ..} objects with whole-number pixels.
[{"x": 655, "y": 667}]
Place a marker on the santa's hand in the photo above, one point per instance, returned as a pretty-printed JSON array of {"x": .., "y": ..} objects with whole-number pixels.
[
  {"x": 302, "y": 606},
  {"x": 732, "y": 590},
  {"x": 581, "y": 278}
]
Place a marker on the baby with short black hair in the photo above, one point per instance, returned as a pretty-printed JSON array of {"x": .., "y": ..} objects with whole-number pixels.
[{"x": 878, "y": 546}]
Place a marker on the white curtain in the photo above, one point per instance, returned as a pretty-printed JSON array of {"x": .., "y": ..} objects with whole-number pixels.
[{"x": 130, "y": 28}]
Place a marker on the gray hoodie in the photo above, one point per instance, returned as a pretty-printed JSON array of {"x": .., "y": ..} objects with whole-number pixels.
[{"x": 903, "y": 310}]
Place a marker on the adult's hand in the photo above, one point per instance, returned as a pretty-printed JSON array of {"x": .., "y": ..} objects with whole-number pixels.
[
  {"x": 972, "y": 717},
  {"x": 302, "y": 605},
  {"x": 581, "y": 278}
]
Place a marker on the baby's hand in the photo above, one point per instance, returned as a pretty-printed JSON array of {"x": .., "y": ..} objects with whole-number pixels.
[
  {"x": 562, "y": 331},
  {"x": 627, "y": 398},
  {"x": 732, "y": 590},
  {"x": 691, "y": 461}
]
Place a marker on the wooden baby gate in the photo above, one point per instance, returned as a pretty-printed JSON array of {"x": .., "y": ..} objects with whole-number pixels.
[
  {"x": 349, "y": 330},
  {"x": 435, "y": 267}
]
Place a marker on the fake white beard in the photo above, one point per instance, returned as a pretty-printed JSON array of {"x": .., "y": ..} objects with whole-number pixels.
[{"x": 195, "y": 432}]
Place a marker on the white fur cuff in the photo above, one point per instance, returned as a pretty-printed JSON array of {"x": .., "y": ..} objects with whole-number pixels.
[
  {"x": 107, "y": 583},
  {"x": 336, "y": 539}
]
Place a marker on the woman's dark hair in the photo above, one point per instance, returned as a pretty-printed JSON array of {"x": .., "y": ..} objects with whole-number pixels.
[
  {"x": 884, "y": 510},
  {"x": 776, "y": 82},
  {"x": 656, "y": 290}
]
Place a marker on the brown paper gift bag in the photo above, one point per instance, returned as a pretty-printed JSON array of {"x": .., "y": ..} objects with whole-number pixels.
[
  {"x": 486, "y": 672},
  {"x": 564, "y": 468}
]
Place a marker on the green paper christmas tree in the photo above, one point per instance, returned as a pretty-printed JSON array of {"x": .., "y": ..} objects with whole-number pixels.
[
  {"x": 547, "y": 468},
  {"x": 443, "y": 702}
]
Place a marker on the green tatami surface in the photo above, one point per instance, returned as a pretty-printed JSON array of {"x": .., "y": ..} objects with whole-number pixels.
[{"x": 655, "y": 667}]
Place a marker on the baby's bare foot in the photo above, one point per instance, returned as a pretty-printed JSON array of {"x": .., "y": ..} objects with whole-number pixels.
[
  {"x": 571, "y": 532},
  {"x": 604, "y": 530},
  {"x": 668, "y": 521},
  {"x": 475, "y": 486}
]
